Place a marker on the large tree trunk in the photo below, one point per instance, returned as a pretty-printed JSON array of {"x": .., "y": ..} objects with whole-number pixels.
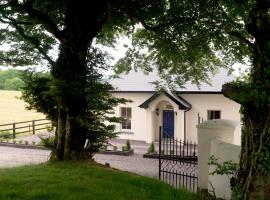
[
  {"x": 70, "y": 77},
  {"x": 253, "y": 177},
  {"x": 83, "y": 20}
]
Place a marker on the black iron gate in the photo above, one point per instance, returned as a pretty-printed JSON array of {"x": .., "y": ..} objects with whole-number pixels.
[{"x": 178, "y": 162}]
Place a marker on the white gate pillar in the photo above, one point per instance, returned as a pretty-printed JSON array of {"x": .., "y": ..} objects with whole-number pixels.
[{"x": 220, "y": 129}]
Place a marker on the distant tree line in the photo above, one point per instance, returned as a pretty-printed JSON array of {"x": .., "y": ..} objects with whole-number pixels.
[{"x": 11, "y": 79}]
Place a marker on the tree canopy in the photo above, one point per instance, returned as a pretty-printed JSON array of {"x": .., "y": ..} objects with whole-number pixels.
[{"x": 10, "y": 80}]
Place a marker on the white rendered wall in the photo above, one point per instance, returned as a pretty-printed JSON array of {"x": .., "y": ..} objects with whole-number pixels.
[
  {"x": 225, "y": 152},
  {"x": 215, "y": 137},
  {"x": 145, "y": 122},
  {"x": 141, "y": 122},
  {"x": 203, "y": 102}
]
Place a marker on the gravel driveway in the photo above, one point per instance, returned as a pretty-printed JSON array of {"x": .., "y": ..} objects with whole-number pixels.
[
  {"x": 134, "y": 163},
  {"x": 11, "y": 157}
]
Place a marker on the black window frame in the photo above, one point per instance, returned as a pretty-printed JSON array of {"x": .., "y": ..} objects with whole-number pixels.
[{"x": 213, "y": 114}]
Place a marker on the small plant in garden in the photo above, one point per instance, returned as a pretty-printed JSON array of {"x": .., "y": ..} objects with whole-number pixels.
[
  {"x": 33, "y": 143},
  {"x": 1, "y": 139},
  {"x": 123, "y": 148},
  {"x": 20, "y": 141},
  {"x": 127, "y": 147},
  {"x": 151, "y": 148},
  {"x": 114, "y": 148},
  {"x": 7, "y": 140},
  {"x": 26, "y": 142},
  {"x": 14, "y": 141}
]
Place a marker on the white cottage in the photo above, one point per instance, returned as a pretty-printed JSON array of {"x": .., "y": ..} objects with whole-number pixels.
[{"x": 178, "y": 114}]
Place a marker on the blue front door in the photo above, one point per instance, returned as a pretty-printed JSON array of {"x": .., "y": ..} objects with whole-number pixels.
[{"x": 168, "y": 123}]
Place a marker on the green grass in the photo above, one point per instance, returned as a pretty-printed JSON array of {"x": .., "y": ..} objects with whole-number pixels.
[
  {"x": 13, "y": 109},
  {"x": 81, "y": 181}
]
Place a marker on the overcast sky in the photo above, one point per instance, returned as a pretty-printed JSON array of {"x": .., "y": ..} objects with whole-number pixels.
[{"x": 119, "y": 52}]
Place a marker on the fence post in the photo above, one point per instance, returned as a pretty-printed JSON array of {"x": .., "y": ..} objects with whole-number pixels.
[
  {"x": 159, "y": 155},
  {"x": 33, "y": 127},
  {"x": 14, "y": 131}
]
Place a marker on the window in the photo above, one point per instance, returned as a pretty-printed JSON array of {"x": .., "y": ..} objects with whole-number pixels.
[
  {"x": 126, "y": 113},
  {"x": 213, "y": 114}
]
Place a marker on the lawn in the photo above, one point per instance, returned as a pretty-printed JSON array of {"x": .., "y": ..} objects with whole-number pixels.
[
  {"x": 12, "y": 109},
  {"x": 81, "y": 181}
]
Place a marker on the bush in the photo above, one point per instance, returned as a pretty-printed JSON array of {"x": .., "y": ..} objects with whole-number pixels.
[
  {"x": 47, "y": 142},
  {"x": 6, "y": 134},
  {"x": 151, "y": 148},
  {"x": 127, "y": 147}
]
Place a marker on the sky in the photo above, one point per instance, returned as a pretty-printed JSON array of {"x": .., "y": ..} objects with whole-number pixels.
[{"x": 119, "y": 52}]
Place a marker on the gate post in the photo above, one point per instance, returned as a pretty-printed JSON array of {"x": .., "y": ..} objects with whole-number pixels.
[
  {"x": 212, "y": 129},
  {"x": 159, "y": 154}
]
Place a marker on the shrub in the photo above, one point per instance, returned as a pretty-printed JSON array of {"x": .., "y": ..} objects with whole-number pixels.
[
  {"x": 151, "y": 148},
  {"x": 127, "y": 147},
  {"x": 14, "y": 141},
  {"x": 47, "y": 142},
  {"x": 6, "y": 134},
  {"x": 115, "y": 148},
  {"x": 26, "y": 142},
  {"x": 20, "y": 141},
  {"x": 33, "y": 143}
]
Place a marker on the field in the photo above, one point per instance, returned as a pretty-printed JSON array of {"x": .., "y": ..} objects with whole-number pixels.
[{"x": 12, "y": 109}]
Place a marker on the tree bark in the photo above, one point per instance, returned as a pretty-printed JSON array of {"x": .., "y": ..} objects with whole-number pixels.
[
  {"x": 83, "y": 20},
  {"x": 254, "y": 98}
]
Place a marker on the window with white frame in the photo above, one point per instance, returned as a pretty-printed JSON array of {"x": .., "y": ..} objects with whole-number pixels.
[
  {"x": 126, "y": 114},
  {"x": 213, "y": 114}
]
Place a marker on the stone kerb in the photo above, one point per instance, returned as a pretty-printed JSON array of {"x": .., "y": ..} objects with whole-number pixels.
[{"x": 212, "y": 129}]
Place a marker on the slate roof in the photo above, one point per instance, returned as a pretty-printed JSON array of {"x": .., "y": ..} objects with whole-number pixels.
[
  {"x": 140, "y": 82},
  {"x": 182, "y": 103}
]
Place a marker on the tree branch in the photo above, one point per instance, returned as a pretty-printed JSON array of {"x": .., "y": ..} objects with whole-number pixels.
[
  {"x": 43, "y": 19},
  {"x": 31, "y": 39},
  {"x": 236, "y": 34}
]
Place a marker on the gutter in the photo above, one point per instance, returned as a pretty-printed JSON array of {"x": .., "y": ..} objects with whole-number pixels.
[{"x": 185, "y": 129}]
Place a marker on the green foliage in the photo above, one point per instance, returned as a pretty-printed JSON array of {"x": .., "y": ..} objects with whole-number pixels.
[
  {"x": 6, "y": 134},
  {"x": 11, "y": 79},
  {"x": 38, "y": 93},
  {"x": 237, "y": 193},
  {"x": 228, "y": 168},
  {"x": 151, "y": 148},
  {"x": 47, "y": 142},
  {"x": 127, "y": 146},
  {"x": 14, "y": 84}
]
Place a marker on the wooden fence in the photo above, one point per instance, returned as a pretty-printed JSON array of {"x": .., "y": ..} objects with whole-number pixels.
[{"x": 30, "y": 127}]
